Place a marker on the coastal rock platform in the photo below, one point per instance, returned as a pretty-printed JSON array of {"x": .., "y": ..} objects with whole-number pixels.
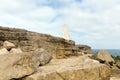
[
  {"x": 52, "y": 58},
  {"x": 73, "y": 68}
]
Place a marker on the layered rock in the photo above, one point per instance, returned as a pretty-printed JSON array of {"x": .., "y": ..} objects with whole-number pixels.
[
  {"x": 75, "y": 68},
  {"x": 30, "y": 58},
  {"x": 84, "y": 49},
  {"x": 30, "y": 41}
]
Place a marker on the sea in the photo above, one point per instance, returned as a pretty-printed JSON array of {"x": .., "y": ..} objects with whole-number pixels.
[{"x": 113, "y": 52}]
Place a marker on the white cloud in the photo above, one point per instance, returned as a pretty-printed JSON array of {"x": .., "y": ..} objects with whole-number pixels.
[{"x": 94, "y": 22}]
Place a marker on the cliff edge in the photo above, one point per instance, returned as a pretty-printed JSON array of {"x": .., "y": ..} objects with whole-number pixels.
[
  {"x": 26, "y": 55},
  {"x": 29, "y": 41}
]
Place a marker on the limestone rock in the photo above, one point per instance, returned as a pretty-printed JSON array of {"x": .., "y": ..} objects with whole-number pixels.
[
  {"x": 114, "y": 78},
  {"x": 118, "y": 64},
  {"x": 84, "y": 49},
  {"x": 8, "y": 45},
  {"x": 115, "y": 72},
  {"x": 103, "y": 56},
  {"x": 76, "y": 68},
  {"x": 16, "y": 50},
  {"x": 24, "y": 65},
  {"x": 3, "y": 51},
  {"x": 30, "y": 41},
  {"x": 16, "y": 65},
  {"x": 44, "y": 56}
]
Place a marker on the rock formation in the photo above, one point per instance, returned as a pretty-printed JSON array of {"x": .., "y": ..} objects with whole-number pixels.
[
  {"x": 30, "y": 41},
  {"x": 75, "y": 68},
  {"x": 104, "y": 57},
  {"x": 26, "y": 55},
  {"x": 84, "y": 49},
  {"x": 8, "y": 45},
  {"x": 16, "y": 64}
]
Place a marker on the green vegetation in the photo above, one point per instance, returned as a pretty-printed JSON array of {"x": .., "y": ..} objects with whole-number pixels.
[{"x": 116, "y": 58}]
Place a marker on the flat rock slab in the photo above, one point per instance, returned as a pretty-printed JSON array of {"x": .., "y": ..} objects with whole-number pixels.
[
  {"x": 74, "y": 68},
  {"x": 114, "y": 78},
  {"x": 14, "y": 65}
]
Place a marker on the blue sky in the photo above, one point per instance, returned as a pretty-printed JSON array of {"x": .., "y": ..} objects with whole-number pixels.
[{"x": 92, "y": 22}]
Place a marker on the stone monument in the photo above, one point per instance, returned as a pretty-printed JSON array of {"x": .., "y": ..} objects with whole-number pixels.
[{"x": 65, "y": 33}]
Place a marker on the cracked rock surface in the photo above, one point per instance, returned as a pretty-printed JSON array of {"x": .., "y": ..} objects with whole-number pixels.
[{"x": 73, "y": 68}]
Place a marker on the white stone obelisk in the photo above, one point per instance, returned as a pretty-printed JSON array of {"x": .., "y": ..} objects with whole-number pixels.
[{"x": 65, "y": 33}]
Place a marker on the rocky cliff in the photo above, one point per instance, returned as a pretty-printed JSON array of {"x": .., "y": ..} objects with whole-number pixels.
[{"x": 29, "y": 41}]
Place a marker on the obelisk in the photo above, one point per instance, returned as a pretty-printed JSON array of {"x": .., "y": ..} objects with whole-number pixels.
[{"x": 65, "y": 33}]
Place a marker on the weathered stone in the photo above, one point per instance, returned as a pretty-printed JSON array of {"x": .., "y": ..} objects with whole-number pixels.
[
  {"x": 115, "y": 72},
  {"x": 24, "y": 66},
  {"x": 103, "y": 56},
  {"x": 28, "y": 48},
  {"x": 3, "y": 51},
  {"x": 1, "y": 43},
  {"x": 8, "y": 45},
  {"x": 84, "y": 49},
  {"x": 16, "y": 65},
  {"x": 16, "y": 50},
  {"x": 59, "y": 69},
  {"x": 29, "y": 41},
  {"x": 118, "y": 64},
  {"x": 76, "y": 68},
  {"x": 114, "y": 78},
  {"x": 44, "y": 56}
]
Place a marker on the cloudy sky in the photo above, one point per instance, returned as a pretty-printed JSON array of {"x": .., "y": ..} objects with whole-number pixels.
[{"x": 92, "y": 22}]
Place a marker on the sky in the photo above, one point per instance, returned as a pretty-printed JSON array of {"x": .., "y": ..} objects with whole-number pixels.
[{"x": 92, "y": 22}]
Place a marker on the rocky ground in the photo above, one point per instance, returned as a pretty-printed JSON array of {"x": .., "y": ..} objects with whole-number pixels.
[
  {"x": 115, "y": 74},
  {"x": 73, "y": 68},
  {"x": 115, "y": 71},
  {"x": 26, "y": 55},
  {"x": 104, "y": 57}
]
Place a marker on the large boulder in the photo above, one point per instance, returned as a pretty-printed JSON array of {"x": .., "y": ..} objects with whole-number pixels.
[
  {"x": 13, "y": 66},
  {"x": 103, "y": 56},
  {"x": 8, "y": 45},
  {"x": 44, "y": 56}
]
